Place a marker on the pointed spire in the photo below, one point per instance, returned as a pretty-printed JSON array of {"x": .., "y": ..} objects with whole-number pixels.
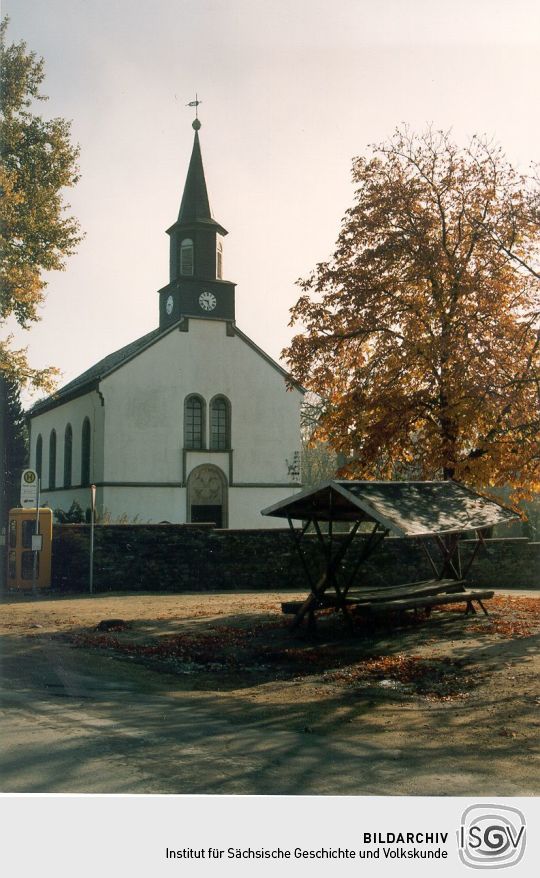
[{"x": 195, "y": 205}]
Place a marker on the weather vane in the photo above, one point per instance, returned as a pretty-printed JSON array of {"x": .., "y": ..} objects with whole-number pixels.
[{"x": 195, "y": 104}]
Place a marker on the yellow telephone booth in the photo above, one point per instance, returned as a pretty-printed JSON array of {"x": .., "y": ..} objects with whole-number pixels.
[{"x": 21, "y": 541}]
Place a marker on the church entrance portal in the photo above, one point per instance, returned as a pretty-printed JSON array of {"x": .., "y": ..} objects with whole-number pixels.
[
  {"x": 207, "y": 513},
  {"x": 207, "y": 495}
]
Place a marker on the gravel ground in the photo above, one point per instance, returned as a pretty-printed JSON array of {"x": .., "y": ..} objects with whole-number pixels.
[{"x": 212, "y": 693}]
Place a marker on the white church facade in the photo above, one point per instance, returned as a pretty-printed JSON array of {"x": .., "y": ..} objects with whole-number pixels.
[{"x": 192, "y": 422}]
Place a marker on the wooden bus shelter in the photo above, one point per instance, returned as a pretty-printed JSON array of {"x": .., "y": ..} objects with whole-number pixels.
[{"x": 434, "y": 515}]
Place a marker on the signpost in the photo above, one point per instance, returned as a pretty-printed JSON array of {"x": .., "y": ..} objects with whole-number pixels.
[
  {"x": 30, "y": 500},
  {"x": 92, "y": 520},
  {"x": 29, "y": 489}
]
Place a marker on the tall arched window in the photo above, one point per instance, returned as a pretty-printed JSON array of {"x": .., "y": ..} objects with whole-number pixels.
[
  {"x": 220, "y": 427},
  {"x": 39, "y": 456},
  {"x": 85, "y": 453},
  {"x": 52, "y": 460},
  {"x": 194, "y": 422},
  {"x": 219, "y": 260},
  {"x": 186, "y": 257},
  {"x": 68, "y": 455}
]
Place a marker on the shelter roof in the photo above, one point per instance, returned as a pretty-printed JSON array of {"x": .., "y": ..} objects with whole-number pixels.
[{"x": 406, "y": 509}]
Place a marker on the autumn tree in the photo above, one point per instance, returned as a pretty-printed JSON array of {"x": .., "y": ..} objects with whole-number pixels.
[
  {"x": 37, "y": 163},
  {"x": 421, "y": 334},
  {"x": 318, "y": 460}
]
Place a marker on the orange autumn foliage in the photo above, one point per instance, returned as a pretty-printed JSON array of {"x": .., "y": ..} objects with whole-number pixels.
[{"x": 421, "y": 335}]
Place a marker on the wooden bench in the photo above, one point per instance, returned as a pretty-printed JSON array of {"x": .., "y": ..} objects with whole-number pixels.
[
  {"x": 427, "y": 602},
  {"x": 380, "y": 593},
  {"x": 410, "y": 596}
]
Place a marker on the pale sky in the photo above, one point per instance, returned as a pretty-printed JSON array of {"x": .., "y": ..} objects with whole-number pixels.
[{"x": 292, "y": 90}]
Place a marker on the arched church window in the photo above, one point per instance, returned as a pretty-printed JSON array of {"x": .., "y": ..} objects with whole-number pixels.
[
  {"x": 85, "y": 453},
  {"x": 186, "y": 257},
  {"x": 194, "y": 422},
  {"x": 52, "y": 460},
  {"x": 220, "y": 427},
  {"x": 68, "y": 455},
  {"x": 219, "y": 260},
  {"x": 39, "y": 456}
]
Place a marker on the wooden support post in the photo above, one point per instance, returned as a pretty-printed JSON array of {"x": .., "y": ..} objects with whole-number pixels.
[
  {"x": 480, "y": 542},
  {"x": 447, "y": 551},
  {"x": 430, "y": 559},
  {"x": 297, "y": 540},
  {"x": 369, "y": 548},
  {"x": 484, "y": 609},
  {"x": 327, "y": 578}
]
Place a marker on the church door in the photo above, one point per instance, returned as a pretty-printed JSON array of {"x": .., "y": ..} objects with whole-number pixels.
[{"x": 207, "y": 495}]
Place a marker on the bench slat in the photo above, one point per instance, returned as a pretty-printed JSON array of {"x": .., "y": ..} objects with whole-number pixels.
[
  {"x": 407, "y": 602},
  {"x": 384, "y": 593},
  {"x": 428, "y": 587},
  {"x": 463, "y": 597}
]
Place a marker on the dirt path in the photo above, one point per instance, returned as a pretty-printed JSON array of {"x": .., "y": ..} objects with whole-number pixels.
[{"x": 211, "y": 694}]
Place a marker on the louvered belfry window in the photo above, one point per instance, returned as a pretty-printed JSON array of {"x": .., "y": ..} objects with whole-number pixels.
[
  {"x": 219, "y": 260},
  {"x": 186, "y": 257}
]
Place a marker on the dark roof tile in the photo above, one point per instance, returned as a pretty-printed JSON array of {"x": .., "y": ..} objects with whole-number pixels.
[{"x": 95, "y": 372}]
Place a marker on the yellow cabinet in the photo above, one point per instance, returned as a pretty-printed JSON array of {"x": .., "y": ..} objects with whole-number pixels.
[{"x": 21, "y": 530}]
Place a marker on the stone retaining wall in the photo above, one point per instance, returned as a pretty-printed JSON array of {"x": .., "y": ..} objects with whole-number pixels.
[
  {"x": 511, "y": 563},
  {"x": 200, "y": 558}
]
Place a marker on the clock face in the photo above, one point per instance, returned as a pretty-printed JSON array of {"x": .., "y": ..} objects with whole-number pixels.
[
  {"x": 207, "y": 301},
  {"x": 169, "y": 305}
]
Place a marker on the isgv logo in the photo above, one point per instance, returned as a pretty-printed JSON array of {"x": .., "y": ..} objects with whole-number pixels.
[{"x": 491, "y": 836}]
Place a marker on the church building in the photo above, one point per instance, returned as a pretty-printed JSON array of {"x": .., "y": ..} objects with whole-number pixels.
[{"x": 192, "y": 422}]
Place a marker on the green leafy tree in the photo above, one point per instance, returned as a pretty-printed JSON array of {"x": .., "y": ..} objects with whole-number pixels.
[
  {"x": 15, "y": 438},
  {"x": 74, "y": 515},
  {"x": 13, "y": 456},
  {"x": 37, "y": 163}
]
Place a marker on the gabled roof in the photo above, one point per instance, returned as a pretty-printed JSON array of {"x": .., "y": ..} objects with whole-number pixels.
[
  {"x": 89, "y": 380},
  {"x": 287, "y": 376},
  {"x": 406, "y": 509}
]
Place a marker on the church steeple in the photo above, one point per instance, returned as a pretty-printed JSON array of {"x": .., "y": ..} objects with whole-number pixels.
[
  {"x": 196, "y": 287},
  {"x": 195, "y": 205}
]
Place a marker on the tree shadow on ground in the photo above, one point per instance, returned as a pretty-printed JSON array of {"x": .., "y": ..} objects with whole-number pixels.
[
  {"x": 241, "y": 650},
  {"x": 80, "y": 720},
  {"x": 136, "y": 738}
]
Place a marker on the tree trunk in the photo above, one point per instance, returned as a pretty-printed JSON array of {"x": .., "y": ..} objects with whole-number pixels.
[{"x": 3, "y": 486}]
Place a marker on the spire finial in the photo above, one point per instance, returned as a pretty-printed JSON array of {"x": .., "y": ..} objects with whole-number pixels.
[{"x": 195, "y": 124}]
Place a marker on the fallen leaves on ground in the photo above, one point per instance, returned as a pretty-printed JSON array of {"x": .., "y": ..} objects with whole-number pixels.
[
  {"x": 438, "y": 677},
  {"x": 221, "y": 644},
  {"x": 508, "y": 616},
  {"x": 266, "y": 645}
]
